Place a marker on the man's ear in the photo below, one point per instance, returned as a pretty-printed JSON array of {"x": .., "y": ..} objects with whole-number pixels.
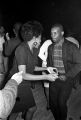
[{"x": 62, "y": 32}]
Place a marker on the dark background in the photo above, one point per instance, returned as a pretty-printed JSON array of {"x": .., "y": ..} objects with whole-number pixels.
[{"x": 48, "y": 12}]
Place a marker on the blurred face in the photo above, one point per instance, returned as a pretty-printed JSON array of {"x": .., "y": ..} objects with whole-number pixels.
[
  {"x": 37, "y": 41},
  {"x": 56, "y": 34}
]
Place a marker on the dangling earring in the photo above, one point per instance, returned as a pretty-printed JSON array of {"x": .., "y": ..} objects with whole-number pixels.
[{"x": 35, "y": 43}]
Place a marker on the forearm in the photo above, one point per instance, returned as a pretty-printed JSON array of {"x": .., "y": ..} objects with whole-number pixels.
[
  {"x": 40, "y": 68},
  {"x": 11, "y": 86},
  {"x": 9, "y": 94},
  {"x": 27, "y": 76}
]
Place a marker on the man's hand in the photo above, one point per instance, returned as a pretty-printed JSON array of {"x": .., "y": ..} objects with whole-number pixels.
[
  {"x": 52, "y": 70},
  {"x": 52, "y": 77},
  {"x": 18, "y": 77},
  {"x": 62, "y": 77}
]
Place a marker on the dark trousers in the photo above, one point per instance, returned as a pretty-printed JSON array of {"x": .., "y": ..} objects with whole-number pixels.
[{"x": 59, "y": 93}]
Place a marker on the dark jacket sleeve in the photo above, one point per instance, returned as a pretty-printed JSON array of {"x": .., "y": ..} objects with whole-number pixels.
[
  {"x": 76, "y": 62},
  {"x": 49, "y": 57}
]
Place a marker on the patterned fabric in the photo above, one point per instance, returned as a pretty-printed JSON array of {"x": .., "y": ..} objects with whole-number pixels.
[
  {"x": 7, "y": 98},
  {"x": 58, "y": 62}
]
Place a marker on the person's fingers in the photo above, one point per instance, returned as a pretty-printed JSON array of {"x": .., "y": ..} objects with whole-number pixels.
[{"x": 54, "y": 74}]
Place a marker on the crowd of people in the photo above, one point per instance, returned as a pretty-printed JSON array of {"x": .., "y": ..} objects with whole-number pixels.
[{"x": 61, "y": 63}]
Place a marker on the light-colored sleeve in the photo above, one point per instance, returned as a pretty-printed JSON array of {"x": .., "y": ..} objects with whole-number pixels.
[
  {"x": 43, "y": 50},
  {"x": 7, "y": 98}
]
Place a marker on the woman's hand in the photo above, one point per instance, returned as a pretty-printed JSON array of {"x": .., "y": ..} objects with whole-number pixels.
[{"x": 62, "y": 77}]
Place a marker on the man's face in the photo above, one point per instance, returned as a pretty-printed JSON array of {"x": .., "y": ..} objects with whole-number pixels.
[
  {"x": 37, "y": 41},
  {"x": 56, "y": 34}
]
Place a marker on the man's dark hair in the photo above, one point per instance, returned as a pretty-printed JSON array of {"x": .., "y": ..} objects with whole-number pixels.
[
  {"x": 31, "y": 29},
  {"x": 58, "y": 25}
]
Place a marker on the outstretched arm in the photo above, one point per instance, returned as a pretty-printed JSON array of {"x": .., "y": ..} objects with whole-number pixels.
[
  {"x": 8, "y": 95},
  {"x": 28, "y": 76}
]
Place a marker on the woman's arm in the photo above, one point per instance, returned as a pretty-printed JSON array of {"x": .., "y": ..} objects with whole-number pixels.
[
  {"x": 40, "y": 68},
  {"x": 8, "y": 95},
  {"x": 28, "y": 76}
]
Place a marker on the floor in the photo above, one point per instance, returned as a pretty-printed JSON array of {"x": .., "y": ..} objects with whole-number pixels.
[{"x": 74, "y": 105}]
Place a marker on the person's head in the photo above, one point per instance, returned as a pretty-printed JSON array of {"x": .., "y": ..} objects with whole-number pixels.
[
  {"x": 16, "y": 28},
  {"x": 57, "y": 32},
  {"x": 32, "y": 31}
]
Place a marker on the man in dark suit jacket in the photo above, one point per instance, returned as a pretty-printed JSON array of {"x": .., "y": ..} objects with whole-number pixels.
[{"x": 65, "y": 56}]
